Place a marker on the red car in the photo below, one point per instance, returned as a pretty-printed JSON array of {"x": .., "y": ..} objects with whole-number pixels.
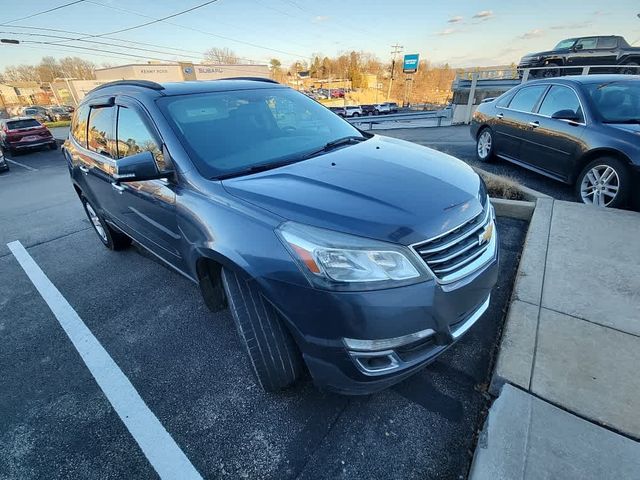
[{"x": 22, "y": 133}]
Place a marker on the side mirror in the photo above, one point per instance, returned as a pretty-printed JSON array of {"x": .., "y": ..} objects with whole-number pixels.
[
  {"x": 569, "y": 115},
  {"x": 577, "y": 47},
  {"x": 138, "y": 167}
]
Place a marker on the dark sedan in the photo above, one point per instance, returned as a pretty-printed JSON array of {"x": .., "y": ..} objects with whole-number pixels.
[{"x": 581, "y": 130}]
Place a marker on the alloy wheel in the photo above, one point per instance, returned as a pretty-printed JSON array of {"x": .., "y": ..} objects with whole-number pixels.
[
  {"x": 484, "y": 144},
  {"x": 600, "y": 186},
  {"x": 95, "y": 220}
]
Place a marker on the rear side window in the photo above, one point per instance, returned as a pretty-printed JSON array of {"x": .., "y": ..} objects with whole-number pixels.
[
  {"x": 79, "y": 128},
  {"x": 16, "y": 124},
  {"x": 134, "y": 136},
  {"x": 526, "y": 98},
  {"x": 100, "y": 134},
  {"x": 607, "y": 42},
  {"x": 560, "y": 98}
]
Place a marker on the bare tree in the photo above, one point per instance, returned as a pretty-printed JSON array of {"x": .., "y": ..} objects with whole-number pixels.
[{"x": 221, "y": 56}]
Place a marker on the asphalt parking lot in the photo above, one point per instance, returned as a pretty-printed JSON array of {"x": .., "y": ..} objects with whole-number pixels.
[{"x": 187, "y": 365}]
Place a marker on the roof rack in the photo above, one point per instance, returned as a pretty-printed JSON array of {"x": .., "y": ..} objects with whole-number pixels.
[
  {"x": 254, "y": 79},
  {"x": 133, "y": 83}
]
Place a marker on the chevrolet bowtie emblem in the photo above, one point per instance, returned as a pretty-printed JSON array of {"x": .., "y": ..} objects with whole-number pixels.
[{"x": 486, "y": 235}]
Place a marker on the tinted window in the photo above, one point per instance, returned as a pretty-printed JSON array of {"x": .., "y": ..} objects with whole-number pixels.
[
  {"x": 504, "y": 99},
  {"x": 100, "y": 135},
  {"x": 15, "y": 124},
  {"x": 228, "y": 132},
  {"x": 607, "y": 42},
  {"x": 616, "y": 101},
  {"x": 560, "y": 98},
  {"x": 134, "y": 136},
  {"x": 79, "y": 128},
  {"x": 565, "y": 44},
  {"x": 587, "y": 43},
  {"x": 526, "y": 98}
]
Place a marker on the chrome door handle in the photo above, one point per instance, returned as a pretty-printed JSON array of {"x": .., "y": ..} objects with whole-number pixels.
[
  {"x": 534, "y": 124},
  {"x": 500, "y": 115},
  {"x": 84, "y": 169},
  {"x": 118, "y": 188}
]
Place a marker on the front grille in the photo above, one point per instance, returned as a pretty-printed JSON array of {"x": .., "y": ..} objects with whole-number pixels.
[{"x": 455, "y": 253}]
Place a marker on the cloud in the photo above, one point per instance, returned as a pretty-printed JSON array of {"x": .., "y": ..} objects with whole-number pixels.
[
  {"x": 571, "y": 26},
  {"x": 456, "y": 19},
  {"x": 484, "y": 15},
  {"x": 535, "y": 33},
  {"x": 447, "y": 31},
  {"x": 321, "y": 18}
]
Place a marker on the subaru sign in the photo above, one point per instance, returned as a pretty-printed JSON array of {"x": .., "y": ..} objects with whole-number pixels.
[{"x": 410, "y": 64}]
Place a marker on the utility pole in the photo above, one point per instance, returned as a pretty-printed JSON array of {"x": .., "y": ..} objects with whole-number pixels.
[{"x": 396, "y": 49}]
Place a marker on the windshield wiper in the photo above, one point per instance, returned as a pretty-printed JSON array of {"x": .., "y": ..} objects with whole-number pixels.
[
  {"x": 256, "y": 168},
  {"x": 624, "y": 120},
  {"x": 335, "y": 144},
  {"x": 269, "y": 166}
]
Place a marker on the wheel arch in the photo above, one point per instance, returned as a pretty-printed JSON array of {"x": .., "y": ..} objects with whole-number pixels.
[{"x": 596, "y": 153}]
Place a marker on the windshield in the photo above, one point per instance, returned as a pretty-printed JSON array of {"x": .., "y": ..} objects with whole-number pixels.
[
  {"x": 564, "y": 44},
  {"x": 616, "y": 102},
  {"x": 16, "y": 124},
  {"x": 232, "y": 131}
]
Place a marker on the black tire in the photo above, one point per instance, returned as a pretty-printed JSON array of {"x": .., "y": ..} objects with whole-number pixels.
[
  {"x": 273, "y": 354},
  {"x": 630, "y": 68},
  {"x": 551, "y": 72},
  {"x": 356, "y": 114},
  {"x": 623, "y": 182},
  {"x": 489, "y": 156},
  {"x": 112, "y": 238}
]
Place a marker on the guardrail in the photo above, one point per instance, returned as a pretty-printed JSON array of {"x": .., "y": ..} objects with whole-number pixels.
[{"x": 438, "y": 115}]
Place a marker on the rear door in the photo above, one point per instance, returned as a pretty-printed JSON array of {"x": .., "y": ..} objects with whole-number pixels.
[
  {"x": 594, "y": 51},
  {"x": 146, "y": 209},
  {"x": 512, "y": 122},
  {"x": 551, "y": 144}
]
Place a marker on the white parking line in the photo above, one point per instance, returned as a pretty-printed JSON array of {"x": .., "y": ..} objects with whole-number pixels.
[
  {"x": 161, "y": 450},
  {"x": 21, "y": 164}
]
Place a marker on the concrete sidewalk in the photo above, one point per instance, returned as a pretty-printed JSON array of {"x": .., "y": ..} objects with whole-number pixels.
[{"x": 571, "y": 339}]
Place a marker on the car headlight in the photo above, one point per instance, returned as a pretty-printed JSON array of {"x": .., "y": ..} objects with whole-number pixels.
[{"x": 341, "y": 261}]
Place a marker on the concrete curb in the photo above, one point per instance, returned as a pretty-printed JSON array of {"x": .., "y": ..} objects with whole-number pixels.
[
  {"x": 515, "y": 358},
  {"x": 529, "y": 194},
  {"x": 513, "y": 208}
]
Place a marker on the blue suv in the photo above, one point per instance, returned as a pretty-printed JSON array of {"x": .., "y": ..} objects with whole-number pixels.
[{"x": 357, "y": 257}]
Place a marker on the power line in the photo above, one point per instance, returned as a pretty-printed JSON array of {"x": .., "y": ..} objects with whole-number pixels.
[
  {"x": 42, "y": 12},
  {"x": 157, "y": 20},
  {"x": 97, "y": 43}
]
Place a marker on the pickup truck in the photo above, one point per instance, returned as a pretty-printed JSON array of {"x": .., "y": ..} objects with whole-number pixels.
[{"x": 585, "y": 51}]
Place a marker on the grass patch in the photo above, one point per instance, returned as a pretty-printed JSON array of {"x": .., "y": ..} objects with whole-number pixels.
[
  {"x": 64, "y": 123},
  {"x": 502, "y": 187}
]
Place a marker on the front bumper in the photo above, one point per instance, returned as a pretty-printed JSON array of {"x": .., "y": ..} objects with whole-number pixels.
[{"x": 363, "y": 342}]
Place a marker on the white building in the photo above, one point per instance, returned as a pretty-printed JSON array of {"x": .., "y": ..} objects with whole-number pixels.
[{"x": 168, "y": 72}]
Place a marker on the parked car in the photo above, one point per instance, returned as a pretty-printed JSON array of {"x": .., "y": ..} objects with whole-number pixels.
[
  {"x": 24, "y": 133},
  {"x": 581, "y": 130},
  {"x": 360, "y": 258},
  {"x": 383, "y": 108},
  {"x": 4, "y": 166},
  {"x": 58, "y": 114},
  {"x": 353, "y": 111},
  {"x": 369, "y": 109},
  {"x": 393, "y": 106},
  {"x": 39, "y": 113},
  {"x": 339, "y": 111},
  {"x": 584, "y": 51},
  {"x": 68, "y": 108}
]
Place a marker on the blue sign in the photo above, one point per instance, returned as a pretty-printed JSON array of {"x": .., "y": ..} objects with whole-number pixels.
[{"x": 411, "y": 62}]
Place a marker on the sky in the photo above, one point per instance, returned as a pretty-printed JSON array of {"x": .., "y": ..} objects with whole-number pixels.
[{"x": 460, "y": 33}]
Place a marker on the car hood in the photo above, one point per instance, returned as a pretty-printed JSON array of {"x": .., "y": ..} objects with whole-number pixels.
[
  {"x": 382, "y": 188},
  {"x": 545, "y": 53}
]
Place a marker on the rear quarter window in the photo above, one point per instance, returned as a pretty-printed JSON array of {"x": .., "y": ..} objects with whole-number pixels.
[{"x": 79, "y": 125}]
